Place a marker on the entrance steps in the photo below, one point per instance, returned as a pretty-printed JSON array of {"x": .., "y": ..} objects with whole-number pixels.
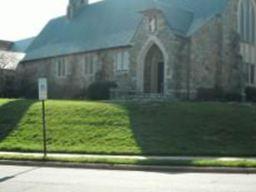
[{"x": 136, "y": 95}]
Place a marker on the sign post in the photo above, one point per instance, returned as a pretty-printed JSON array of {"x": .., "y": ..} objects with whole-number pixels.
[{"x": 42, "y": 93}]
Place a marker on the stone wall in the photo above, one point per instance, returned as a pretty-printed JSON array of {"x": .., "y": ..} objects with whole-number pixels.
[
  {"x": 174, "y": 48},
  {"x": 205, "y": 55},
  {"x": 208, "y": 59},
  {"x": 232, "y": 71},
  {"x": 175, "y": 52},
  {"x": 76, "y": 81},
  {"x": 215, "y": 55}
]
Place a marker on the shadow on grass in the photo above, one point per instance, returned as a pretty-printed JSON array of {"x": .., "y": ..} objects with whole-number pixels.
[
  {"x": 10, "y": 115},
  {"x": 187, "y": 129}
]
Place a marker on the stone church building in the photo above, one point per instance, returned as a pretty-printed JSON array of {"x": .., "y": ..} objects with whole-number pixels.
[{"x": 169, "y": 47}]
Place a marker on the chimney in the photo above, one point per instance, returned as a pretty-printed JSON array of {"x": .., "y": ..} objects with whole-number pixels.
[{"x": 74, "y": 6}]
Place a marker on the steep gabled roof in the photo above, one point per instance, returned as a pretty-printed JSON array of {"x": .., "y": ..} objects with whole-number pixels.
[
  {"x": 21, "y": 46},
  {"x": 113, "y": 23}
]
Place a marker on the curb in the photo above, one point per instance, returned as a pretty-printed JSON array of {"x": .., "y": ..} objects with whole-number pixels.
[{"x": 184, "y": 169}]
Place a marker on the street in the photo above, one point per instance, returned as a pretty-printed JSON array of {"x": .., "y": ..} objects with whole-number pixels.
[{"x": 36, "y": 179}]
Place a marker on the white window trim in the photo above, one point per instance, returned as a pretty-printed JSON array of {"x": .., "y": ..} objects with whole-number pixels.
[
  {"x": 122, "y": 61},
  {"x": 62, "y": 72},
  {"x": 89, "y": 65}
]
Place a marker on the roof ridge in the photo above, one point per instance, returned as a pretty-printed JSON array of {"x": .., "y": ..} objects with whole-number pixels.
[
  {"x": 97, "y": 23},
  {"x": 171, "y": 6}
]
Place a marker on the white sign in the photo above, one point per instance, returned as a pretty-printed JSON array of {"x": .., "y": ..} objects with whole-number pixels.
[{"x": 42, "y": 89}]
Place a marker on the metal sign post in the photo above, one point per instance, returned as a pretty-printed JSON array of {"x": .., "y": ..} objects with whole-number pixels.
[{"x": 42, "y": 93}]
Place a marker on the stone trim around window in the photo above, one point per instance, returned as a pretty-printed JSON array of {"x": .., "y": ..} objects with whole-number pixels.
[
  {"x": 122, "y": 61},
  {"x": 90, "y": 64},
  {"x": 251, "y": 77},
  {"x": 62, "y": 68}
]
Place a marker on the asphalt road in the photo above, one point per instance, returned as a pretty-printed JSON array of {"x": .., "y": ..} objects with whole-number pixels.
[{"x": 35, "y": 179}]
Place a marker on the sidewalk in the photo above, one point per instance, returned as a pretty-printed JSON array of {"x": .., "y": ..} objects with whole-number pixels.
[
  {"x": 128, "y": 157},
  {"x": 130, "y": 167}
]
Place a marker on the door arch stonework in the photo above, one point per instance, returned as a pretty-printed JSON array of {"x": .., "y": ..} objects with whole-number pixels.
[
  {"x": 152, "y": 42},
  {"x": 154, "y": 71}
]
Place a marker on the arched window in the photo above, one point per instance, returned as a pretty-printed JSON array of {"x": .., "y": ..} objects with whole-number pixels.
[{"x": 246, "y": 26}]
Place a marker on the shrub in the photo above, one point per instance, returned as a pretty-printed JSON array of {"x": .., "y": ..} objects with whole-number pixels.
[
  {"x": 8, "y": 85},
  {"x": 251, "y": 94},
  {"x": 232, "y": 96},
  {"x": 209, "y": 94},
  {"x": 100, "y": 90},
  {"x": 28, "y": 90},
  {"x": 216, "y": 94}
]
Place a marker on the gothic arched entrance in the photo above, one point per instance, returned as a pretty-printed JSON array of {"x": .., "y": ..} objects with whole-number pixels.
[{"x": 154, "y": 71}]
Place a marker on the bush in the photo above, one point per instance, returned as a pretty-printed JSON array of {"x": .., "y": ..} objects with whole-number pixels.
[
  {"x": 28, "y": 89},
  {"x": 232, "y": 96},
  {"x": 100, "y": 90},
  {"x": 216, "y": 94},
  {"x": 209, "y": 94},
  {"x": 251, "y": 94},
  {"x": 8, "y": 87},
  {"x": 26, "y": 82}
]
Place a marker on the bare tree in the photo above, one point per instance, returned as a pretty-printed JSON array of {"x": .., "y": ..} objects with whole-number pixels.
[
  {"x": 8, "y": 63},
  {"x": 8, "y": 60}
]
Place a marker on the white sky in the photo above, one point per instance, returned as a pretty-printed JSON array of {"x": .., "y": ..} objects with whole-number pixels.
[{"x": 21, "y": 19}]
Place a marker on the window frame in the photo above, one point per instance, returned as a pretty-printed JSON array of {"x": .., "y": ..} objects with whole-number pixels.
[
  {"x": 252, "y": 74},
  {"x": 247, "y": 21},
  {"x": 122, "y": 61},
  {"x": 90, "y": 62},
  {"x": 62, "y": 68}
]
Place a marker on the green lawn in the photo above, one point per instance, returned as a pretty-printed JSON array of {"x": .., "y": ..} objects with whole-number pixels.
[{"x": 174, "y": 128}]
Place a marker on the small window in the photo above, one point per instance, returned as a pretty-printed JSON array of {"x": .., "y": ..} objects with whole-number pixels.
[
  {"x": 119, "y": 61},
  {"x": 152, "y": 24},
  {"x": 122, "y": 61},
  {"x": 95, "y": 63},
  {"x": 86, "y": 68},
  {"x": 61, "y": 68},
  {"x": 89, "y": 63},
  {"x": 252, "y": 74},
  {"x": 91, "y": 67},
  {"x": 126, "y": 61},
  {"x": 247, "y": 21}
]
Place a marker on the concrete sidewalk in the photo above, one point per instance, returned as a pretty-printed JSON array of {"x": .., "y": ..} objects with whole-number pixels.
[
  {"x": 128, "y": 157},
  {"x": 157, "y": 168}
]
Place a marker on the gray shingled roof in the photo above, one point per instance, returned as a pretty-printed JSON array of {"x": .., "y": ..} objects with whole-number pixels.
[
  {"x": 22, "y": 45},
  {"x": 113, "y": 23}
]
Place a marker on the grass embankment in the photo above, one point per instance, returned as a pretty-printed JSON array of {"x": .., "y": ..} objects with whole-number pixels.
[{"x": 175, "y": 128}]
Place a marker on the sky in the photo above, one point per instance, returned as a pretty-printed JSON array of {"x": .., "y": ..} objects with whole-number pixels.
[{"x": 20, "y": 19}]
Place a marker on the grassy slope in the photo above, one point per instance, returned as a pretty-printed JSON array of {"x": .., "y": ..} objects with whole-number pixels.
[{"x": 131, "y": 128}]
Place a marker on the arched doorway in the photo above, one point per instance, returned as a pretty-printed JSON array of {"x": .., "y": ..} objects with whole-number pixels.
[{"x": 154, "y": 71}]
